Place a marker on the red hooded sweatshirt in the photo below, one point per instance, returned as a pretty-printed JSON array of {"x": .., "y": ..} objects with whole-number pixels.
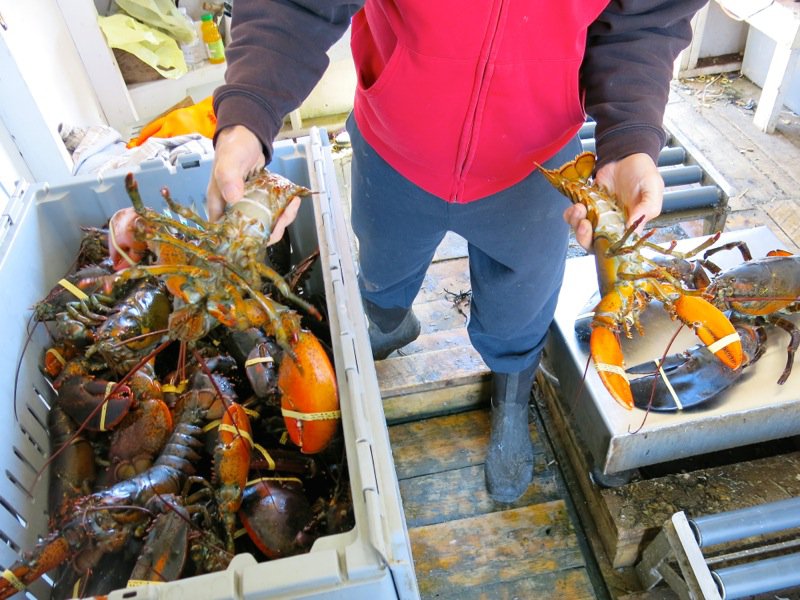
[{"x": 464, "y": 98}]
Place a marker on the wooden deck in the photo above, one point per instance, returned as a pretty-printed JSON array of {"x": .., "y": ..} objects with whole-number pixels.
[{"x": 436, "y": 401}]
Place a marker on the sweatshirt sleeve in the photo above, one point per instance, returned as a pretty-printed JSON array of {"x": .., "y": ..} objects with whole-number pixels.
[
  {"x": 627, "y": 69},
  {"x": 276, "y": 57}
]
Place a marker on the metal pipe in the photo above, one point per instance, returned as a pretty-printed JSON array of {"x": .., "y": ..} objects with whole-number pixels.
[
  {"x": 667, "y": 157},
  {"x": 701, "y": 197},
  {"x": 720, "y": 528},
  {"x": 681, "y": 175},
  {"x": 671, "y": 156},
  {"x": 758, "y": 577}
]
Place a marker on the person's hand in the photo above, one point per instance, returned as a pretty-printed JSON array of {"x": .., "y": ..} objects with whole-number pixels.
[
  {"x": 238, "y": 155},
  {"x": 635, "y": 181},
  {"x": 123, "y": 247}
]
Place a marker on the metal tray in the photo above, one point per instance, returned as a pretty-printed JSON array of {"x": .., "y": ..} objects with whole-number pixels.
[{"x": 755, "y": 409}]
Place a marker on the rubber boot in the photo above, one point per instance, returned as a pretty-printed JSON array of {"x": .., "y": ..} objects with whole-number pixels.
[
  {"x": 509, "y": 459},
  {"x": 390, "y": 328}
]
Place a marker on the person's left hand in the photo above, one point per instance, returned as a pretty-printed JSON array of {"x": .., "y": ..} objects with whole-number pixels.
[{"x": 637, "y": 184}]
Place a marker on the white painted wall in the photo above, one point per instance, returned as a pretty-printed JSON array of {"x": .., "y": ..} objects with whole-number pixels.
[
  {"x": 723, "y": 35},
  {"x": 40, "y": 42},
  {"x": 756, "y": 64}
]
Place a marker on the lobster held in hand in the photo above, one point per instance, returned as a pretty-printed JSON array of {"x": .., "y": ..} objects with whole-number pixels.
[
  {"x": 215, "y": 271},
  {"x": 628, "y": 281}
]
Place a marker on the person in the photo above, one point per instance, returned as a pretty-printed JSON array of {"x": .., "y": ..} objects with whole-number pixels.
[{"x": 456, "y": 103}]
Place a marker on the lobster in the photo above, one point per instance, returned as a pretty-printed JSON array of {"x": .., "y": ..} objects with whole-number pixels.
[
  {"x": 763, "y": 289},
  {"x": 214, "y": 271},
  {"x": 215, "y": 275},
  {"x": 628, "y": 281},
  {"x": 103, "y": 522},
  {"x": 756, "y": 293}
]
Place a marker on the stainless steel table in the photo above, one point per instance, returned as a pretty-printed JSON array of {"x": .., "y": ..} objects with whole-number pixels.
[{"x": 755, "y": 409}]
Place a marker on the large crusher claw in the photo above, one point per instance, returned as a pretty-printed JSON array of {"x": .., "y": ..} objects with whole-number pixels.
[
  {"x": 708, "y": 323},
  {"x": 712, "y": 327}
]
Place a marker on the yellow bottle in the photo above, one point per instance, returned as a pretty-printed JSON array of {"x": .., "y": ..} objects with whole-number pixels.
[{"x": 212, "y": 39}]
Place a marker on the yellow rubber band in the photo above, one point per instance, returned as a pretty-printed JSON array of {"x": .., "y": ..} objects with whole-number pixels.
[
  {"x": 9, "y": 576},
  {"x": 238, "y": 430},
  {"x": 73, "y": 289},
  {"x": 723, "y": 342},
  {"x": 76, "y": 589},
  {"x": 141, "y": 582},
  {"x": 266, "y": 455},
  {"x": 607, "y": 368},
  {"x": 170, "y": 388},
  {"x": 57, "y": 355},
  {"x": 113, "y": 239},
  {"x": 250, "y": 412},
  {"x": 257, "y": 360},
  {"x": 109, "y": 386},
  {"x": 664, "y": 378},
  {"x": 212, "y": 425},
  {"x": 239, "y": 533},
  {"x": 329, "y": 415},
  {"x": 278, "y": 479}
]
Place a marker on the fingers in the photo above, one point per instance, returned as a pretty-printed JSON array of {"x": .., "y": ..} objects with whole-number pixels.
[
  {"x": 575, "y": 216},
  {"x": 638, "y": 185},
  {"x": 286, "y": 219},
  {"x": 123, "y": 247},
  {"x": 648, "y": 203},
  {"x": 238, "y": 154}
]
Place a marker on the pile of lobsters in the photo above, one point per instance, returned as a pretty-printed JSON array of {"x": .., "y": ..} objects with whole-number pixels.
[{"x": 195, "y": 413}]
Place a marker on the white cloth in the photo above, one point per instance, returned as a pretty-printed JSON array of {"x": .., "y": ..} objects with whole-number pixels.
[{"x": 99, "y": 149}]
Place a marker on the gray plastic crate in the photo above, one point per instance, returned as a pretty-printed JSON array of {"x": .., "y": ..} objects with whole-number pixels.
[{"x": 373, "y": 560}]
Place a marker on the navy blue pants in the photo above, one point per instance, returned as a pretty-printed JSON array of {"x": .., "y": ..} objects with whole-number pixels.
[{"x": 517, "y": 247}]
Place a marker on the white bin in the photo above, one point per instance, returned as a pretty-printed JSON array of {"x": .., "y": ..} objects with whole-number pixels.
[{"x": 373, "y": 560}]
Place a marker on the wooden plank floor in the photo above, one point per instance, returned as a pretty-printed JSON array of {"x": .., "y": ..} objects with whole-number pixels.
[{"x": 435, "y": 396}]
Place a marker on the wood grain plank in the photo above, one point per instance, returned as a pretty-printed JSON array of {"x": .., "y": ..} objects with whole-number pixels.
[
  {"x": 429, "y": 371},
  {"x": 443, "y": 444},
  {"x": 444, "y": 278},
  {"x": 461, "y": 493},
  {"x": 454, "y": 340},
  {"x": 440, "y": 314},
  {"x": 572, "y": 584},
  {"x": 424, "y": 405},
  {"x": 494, "y": 548}
]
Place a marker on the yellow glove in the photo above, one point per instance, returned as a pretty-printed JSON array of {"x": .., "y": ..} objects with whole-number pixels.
[{"x": 198, "y": 118}]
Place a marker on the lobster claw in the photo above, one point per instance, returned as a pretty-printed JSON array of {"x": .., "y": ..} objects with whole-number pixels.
[
  {"x": 607, "y": 356},
  {"x": 712, "y": 327},
  {"x": 708, "y": 323}
]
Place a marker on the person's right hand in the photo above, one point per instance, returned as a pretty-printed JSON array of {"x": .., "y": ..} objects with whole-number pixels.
[{"x": 238, "y": 154}]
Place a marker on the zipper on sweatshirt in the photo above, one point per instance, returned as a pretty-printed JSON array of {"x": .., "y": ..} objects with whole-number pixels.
[{"x": 480, "y": 89}]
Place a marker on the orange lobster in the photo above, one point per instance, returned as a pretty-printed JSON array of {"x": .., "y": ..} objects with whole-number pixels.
[
  {"x": 629, "y": 281},
  {"x": 215, "y": 270}
]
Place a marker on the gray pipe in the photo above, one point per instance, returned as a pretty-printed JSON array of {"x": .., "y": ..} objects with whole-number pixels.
[
  {"x": 758, "y": 577},
  {"x": 681, "y": 175},
  {"x": 701, "y": 197},
  {"x": 711, "y": 530}
]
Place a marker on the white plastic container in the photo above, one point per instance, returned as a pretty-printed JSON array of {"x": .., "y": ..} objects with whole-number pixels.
[{"x": 373, "y": 560}]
